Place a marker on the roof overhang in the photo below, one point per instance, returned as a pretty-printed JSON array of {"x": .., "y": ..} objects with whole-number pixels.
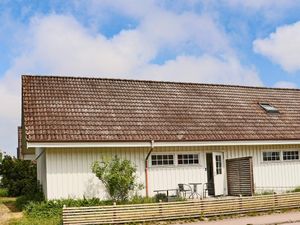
[{"x": 155, "y": 144}]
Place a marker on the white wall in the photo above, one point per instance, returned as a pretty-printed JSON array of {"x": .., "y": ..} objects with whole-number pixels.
[
  {"x": 41, "y": 168},
  {"x": 69, "y": 170},
  {"x": 69, "y": 173},
  {"x": 277, "y": 176}
]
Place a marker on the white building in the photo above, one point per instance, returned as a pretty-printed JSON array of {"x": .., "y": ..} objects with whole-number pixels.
[{"x": 239, "y": 140}]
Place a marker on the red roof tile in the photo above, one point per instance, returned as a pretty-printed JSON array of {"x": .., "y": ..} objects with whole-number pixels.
[{"x": 59, "y": 109}]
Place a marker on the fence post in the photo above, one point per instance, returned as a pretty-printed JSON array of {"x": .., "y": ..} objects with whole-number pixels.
[
  {"x": 160, "y": 207},
  {"x": 201, "y": 209},
  {"x": 114, "y": 211},
  {"x": 275, "y": 200},
  {"x": 64, "y": 206},
  {"x": 240, "y": 203}
]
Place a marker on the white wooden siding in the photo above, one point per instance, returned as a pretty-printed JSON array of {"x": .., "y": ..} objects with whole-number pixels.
[
  {"x": 69, "y": 173},
  {"x": 69, "y": 170},
  {"x": 41, "y": 168}
]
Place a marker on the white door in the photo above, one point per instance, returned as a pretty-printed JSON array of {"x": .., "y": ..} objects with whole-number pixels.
[{"x": 218, "y": 169}]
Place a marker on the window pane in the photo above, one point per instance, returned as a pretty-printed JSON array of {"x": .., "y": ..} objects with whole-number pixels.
[
  {"x": 271, "y": 156},
  {"x": 159, "y": 160},
  {"x": 188, "y": 159},
  {"x": 290, "y": 155}
]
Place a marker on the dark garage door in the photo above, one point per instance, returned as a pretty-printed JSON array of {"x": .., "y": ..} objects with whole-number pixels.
[{"x": 240, "y": 176}]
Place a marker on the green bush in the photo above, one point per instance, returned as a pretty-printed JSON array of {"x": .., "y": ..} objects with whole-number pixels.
[
  {"x": 53, "y": 208},
  {"x": 19, "y": 177},
  {"x": 297, "y": 189},
  {"x": 118, "y": 177},
  {"x": 3, "y": 192},
  {"x": 161, "y": 197},
  {"x": 47, "y": 209},
  {"x": 22, "y": 201},
  {"x": 140, "y": 200}
]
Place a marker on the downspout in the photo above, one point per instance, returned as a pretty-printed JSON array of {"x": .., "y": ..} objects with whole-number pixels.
[
  {"x": 146, "y": 167},
  {"x": 42, "y": 152}
]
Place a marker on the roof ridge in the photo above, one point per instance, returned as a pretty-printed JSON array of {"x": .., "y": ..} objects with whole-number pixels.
[{"x": 157, "y": 81}]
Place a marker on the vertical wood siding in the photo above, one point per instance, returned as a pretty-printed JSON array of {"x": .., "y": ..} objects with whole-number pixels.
[
  {"x": 41, "y": 168},
  {"x": 69, "y": 170},
  {"x": 69, "y": 173}
]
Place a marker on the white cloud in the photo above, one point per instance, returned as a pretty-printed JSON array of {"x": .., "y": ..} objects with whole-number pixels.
[
  {"x": 203, "y": 69},
  {"x": 263, "y": 4},
  {"x": 60, "y": 45},
  {"x": 270, "y": 11},
  {"x": 282, "y": 47},
  {"x": 285, "y": 84}
]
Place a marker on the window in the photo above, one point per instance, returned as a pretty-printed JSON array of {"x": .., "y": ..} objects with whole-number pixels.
[
  {"x": 271, "y": 156},
  {"x": 269, "y": 108},
  {"x": 290, "y": 155},
  {"x": 219, "y": 164},
  {"x": 188, "y": 159},
  {"x": 162, "y": 160}
]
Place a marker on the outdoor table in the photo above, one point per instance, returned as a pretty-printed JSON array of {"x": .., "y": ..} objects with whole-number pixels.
[
  {"x": 195, "y": 190},
  {"x": 166, "y": 190}
]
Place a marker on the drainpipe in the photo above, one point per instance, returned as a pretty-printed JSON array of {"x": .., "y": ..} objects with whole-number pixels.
[{"x": 146, "y": 167}]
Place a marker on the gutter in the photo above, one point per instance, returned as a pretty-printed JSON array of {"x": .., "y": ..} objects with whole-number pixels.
[
  {"x": 146, "y": 167},
  {"x": 157, "y": 144}
]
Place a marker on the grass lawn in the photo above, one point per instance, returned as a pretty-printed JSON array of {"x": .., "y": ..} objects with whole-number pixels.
[
  {"x": 9, "y": 215},
  {"x": 25, "y": 220}
]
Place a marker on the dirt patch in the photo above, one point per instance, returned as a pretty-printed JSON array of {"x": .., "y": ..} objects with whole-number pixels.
[{"x": 8, "y": 211}]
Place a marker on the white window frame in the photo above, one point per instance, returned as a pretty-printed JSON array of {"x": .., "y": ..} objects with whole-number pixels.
[
  {"x": 175, "y": 158},
  {"x": 280, "y": 155},
  {"x": 290, "y": 160},
  {"x": 273, "y": 150},
  {"x": 188, "y": 153},
  {"x": 162, "y": 154}
]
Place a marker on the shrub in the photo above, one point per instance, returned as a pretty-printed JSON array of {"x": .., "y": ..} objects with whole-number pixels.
[
  {"x": 141, "y": 200},
  {"x": 3, "y": 192},
  {"x": 22, "y": 201},
  {"x": 53, "y": 208},
  {"x": 118, "y": 177},
  {"x": 161, "y": 197},
  {"x": 296, "y": 189},
  {"x": 19, "y": 176}
]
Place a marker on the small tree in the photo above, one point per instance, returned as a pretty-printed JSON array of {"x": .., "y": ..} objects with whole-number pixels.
[
  {"x": 19, "y": 176},
  {"x": 118, "y": 177}
]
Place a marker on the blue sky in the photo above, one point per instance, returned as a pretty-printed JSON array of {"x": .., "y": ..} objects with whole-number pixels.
[{"x": 245, "y": 42}]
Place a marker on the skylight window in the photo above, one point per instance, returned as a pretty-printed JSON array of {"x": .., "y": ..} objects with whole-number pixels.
[{"x": 269, "y": 108}]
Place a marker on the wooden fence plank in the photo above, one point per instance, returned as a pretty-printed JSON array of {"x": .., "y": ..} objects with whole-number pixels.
[{"x": 118, "y": 214}]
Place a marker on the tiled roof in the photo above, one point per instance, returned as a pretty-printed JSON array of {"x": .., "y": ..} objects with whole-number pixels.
[{"x": 59, "y": 109}]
